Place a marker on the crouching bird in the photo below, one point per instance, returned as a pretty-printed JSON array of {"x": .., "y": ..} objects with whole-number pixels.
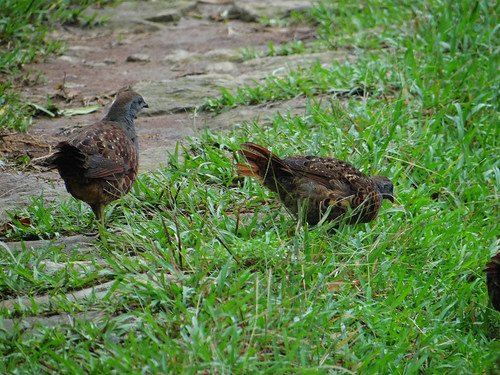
[
  {"x": 493, "y": 280},
  {"x": 100, "y": 163},
  {"x": 314, "y": 186}
]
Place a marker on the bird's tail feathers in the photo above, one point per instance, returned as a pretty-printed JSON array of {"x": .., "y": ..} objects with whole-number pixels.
[
  {"x": 263, "y": 164},
  {"x": 67, "y": 157}
]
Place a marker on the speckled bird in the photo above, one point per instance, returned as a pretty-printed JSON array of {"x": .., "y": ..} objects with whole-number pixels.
[
  {"x": 100, "y": 163},
  {"x": 493, "y": 280},
  {"x": 318, "y": 185}
]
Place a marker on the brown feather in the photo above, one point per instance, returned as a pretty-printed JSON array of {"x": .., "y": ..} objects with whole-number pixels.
[
  {"x": 493, "y": 280},
  {"x": 100, "y": 163},
  {"x": 319, "y": 183}
]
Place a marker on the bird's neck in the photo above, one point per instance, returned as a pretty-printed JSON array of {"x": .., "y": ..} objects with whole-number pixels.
[
  {"x": 130, "y": 131},
  {"x": 126, "y": 123}
]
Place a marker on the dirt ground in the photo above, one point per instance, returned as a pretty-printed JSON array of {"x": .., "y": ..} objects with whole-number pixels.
[{"x": 173, "y": 53}]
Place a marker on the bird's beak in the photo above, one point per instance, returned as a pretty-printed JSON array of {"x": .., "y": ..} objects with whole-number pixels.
[
  {"x": 390, "y": 197},
  {"x": 145, "y": 105}
]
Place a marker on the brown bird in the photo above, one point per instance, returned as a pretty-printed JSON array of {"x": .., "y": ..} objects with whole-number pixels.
[
  {"x": 318, "y": 184},
  {"x": 100, "y": 163},
  {"x": 493, "y": 280}
]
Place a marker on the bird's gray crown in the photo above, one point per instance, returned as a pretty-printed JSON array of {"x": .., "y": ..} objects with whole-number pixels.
[{"x": 384, "y": 186}]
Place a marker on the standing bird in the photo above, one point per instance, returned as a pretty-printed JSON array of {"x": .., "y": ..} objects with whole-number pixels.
[
  {"x": 317, "y": 185},
  {"x": 100, "y": 163},
  {"x": 493, "y": 280}
]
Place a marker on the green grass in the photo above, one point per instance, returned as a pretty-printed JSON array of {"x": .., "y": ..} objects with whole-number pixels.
[
  {"x": 212, "y": 274},
  {"x": 23, "y": 28}
]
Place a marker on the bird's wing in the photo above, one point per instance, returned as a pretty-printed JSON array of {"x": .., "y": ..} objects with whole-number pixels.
[
  {"x": 108, "y": 152},
  {"x": 347, "y": 187},
  {"x": 333, "y": 173}
]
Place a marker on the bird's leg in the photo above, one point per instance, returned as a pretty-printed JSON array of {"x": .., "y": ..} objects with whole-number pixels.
[
  {"x": 98, "y": 210},
  {"x": 100, "y": 216}
]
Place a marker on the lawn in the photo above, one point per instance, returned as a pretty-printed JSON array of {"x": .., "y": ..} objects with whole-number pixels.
[{"x": 211, "y": 275}]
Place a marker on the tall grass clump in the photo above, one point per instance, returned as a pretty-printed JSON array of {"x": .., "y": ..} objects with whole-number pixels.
[{"x": 23, "y": 39}]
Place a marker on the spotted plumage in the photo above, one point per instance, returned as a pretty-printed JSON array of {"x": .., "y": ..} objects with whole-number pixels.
[
  {"x": 313, "y": 185},
  {"x": 493, "y": 280},
  {"x": 100, "y": 163}
]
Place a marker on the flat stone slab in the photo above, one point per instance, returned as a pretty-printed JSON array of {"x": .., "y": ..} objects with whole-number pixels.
[
  {"x": 17, "y": 189},
  {"x": 68, "y": 244},
  {"x": 29, "y": 324},
  {"x": 93, "y": 293}
]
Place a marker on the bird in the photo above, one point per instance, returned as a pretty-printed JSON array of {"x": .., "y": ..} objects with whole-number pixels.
[
  {"x": 493, "y": 280},
  {"x": 312, "y": 187},
  {"x": 99, "y": 164}
]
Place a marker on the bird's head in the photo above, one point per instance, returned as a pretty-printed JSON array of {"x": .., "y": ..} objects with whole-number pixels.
[
  {"x": 125, "y": 107},
  {"x": 384, "y": 186}
]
